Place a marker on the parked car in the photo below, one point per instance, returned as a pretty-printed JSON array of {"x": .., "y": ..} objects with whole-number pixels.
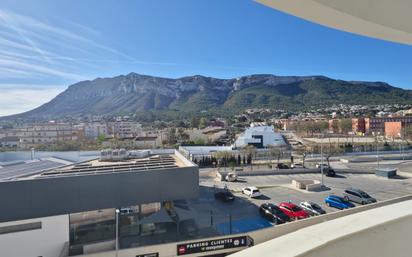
[
  {"x": 282, "y": 166},
  {"x": 293, "y": 211},
  {"x": 231, "y": 177},
  {"x": 318, "y": 165},
  {"x": 225, "y": 196},
  {"x": 338, "y": 202},
  {"x": 297, "y": 165},
  {"x": 273, "y": 213},
  {"x": 330, "y": 172},
  {"x": 251, "y": 191},
  {"x": 358, "y": 196},
  {"x": 312, "y": 208}
]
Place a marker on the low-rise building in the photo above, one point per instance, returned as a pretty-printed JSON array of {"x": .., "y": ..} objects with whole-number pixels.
[
  {"x": 393, "y": 129},
  {"x": 46, "y": 133},
  {"x": 74, "y": 209},
  {"x": 10, "y": 141},
  {"x": 147, "y": 142},
  {"x": 259, "y": 135},
  {"x": 377, "y": 125}
]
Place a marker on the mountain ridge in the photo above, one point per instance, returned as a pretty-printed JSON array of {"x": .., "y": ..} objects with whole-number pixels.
[{"x": 133, "y": 93}]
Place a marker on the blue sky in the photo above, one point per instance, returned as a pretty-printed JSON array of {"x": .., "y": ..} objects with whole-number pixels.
[{"x": 46, "y": 45}]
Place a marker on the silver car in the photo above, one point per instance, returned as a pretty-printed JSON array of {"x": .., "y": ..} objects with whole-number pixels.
[
  {"x": 312, "y": 208},
  {"x": 358, "y": 196}
]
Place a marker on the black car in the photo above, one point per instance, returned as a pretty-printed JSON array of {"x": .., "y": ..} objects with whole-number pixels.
[
  {"x": 225, "y": 196},
  {"x": 330, "y": 172},
  {"x": 282, "y": 166},
  {"x": 273, "y": 213}
]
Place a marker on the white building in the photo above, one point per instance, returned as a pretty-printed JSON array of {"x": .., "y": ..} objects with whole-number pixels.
[
  {"x": 94, "y": 130},
  {"x": 46, "y": 133},
  {"x": 259, "y": 135}
]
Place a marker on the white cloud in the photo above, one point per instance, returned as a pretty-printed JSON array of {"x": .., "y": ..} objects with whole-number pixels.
[
  {"x": 39, "y": 52},
  {"x": 13, "y": 64},
  {"x": 20, "y": 98}
]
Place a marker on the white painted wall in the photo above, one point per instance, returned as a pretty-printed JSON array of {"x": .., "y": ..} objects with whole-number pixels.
[
  {"x": 46, "y": 242},
  {"x": 270, "y": 137}
]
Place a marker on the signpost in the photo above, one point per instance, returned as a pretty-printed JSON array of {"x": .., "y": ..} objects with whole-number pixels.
[{"x": 214, "y": 245}]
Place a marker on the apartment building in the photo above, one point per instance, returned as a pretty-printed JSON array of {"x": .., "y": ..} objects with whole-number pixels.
[
  {"x": 389, "y": 126},
  {"x": 393, "y": 129},
  {"x": 95, "y": 129},
  {"x": 46, "y": 133},
  {"x": 125, "y": 129},
  {"x": 358, "y": 125}
]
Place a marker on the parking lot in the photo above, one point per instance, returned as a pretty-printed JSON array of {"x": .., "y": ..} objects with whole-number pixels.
[
  {"x": 278, "y": 188},
  {"x": 206, "y": 216}
]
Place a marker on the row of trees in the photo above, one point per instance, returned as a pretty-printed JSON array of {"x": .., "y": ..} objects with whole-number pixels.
[
  {"x": 343, "y": 126},
  {"x": 245, "y": 156},
  {"x": 222, "y": 159}
]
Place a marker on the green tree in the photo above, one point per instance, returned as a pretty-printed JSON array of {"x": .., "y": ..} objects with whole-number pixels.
[
  {"x": 194, "y": 122},
  {"x": 250, "y": 152},
  {"x": 346, "y": 125},
  {"x": 199, "y": 141},
  {"x": 275, "y": 152},
  {"x": 101, "y": 138},
  {"x": 202, "y": 123},
  {"x": 171, "y": 136}
]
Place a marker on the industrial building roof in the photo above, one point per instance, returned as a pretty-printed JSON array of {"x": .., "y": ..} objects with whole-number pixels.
[
  {"x": 28, "y": 168},
  {"x": 152, "y": 162}
]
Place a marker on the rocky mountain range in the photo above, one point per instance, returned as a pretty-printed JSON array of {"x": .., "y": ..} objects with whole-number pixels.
[{"x": 134, "y": 93}]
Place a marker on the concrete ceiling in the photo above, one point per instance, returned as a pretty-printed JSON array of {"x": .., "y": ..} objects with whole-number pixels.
[{"x": 384, "y": 19}]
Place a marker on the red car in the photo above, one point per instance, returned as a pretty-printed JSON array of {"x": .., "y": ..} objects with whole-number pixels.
[{"x": 293, "y": 211}]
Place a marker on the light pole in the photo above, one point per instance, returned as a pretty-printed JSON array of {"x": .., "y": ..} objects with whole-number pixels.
[
  {"x": 401, "y": 146},
  {"x": 377, "y": 147},
  {"x": 321, "y": 162},
  {"x": 117, "y": 233}
]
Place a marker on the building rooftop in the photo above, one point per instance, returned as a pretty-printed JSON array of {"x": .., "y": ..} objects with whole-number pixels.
[
  {"x": 138, "y": 177},
  {"x": 97, "y": 166},
  {"x": 27, "y": 168}
]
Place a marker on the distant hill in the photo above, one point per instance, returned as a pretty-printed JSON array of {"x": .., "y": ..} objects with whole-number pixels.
[{"x": 135, "y": 93}]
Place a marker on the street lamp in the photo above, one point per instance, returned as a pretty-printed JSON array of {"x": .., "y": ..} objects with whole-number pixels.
[
  {"x": 401, "y": 145},
  {"x": 377, "y": 146},
  {"x": 117, "y": 233},
  {"x": 321, "y": 161}
]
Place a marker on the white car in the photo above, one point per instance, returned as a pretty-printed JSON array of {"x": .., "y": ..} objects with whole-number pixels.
[
  {"x": 297, "y": 165},
  {"x": 252, "y": 192},
  {"x": 325, "y": 166},
  {"x": 231, "y": 177}
]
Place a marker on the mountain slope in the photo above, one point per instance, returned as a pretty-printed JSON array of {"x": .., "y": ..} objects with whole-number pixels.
[{"x": 140, "y": 93}]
